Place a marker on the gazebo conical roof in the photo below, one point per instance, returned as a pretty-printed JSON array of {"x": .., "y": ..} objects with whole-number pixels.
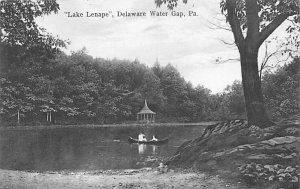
[{"x": 146, "y": 110}]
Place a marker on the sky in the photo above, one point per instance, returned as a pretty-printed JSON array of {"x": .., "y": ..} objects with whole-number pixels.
[{"x": 191, "y": 43}]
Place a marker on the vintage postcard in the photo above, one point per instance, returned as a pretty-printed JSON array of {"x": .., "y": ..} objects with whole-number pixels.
[{"x": 149, "y": 94}]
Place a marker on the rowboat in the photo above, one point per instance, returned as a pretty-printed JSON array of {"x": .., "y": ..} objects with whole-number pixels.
[{"x": 153, "y": 142}]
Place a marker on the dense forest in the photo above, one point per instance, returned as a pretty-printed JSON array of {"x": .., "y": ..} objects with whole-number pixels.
[
  {"x": 40, "y": 84},
  {"x": 79, "y": 89}
]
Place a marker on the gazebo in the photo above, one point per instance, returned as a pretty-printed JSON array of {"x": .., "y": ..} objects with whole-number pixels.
[{"x": 146, "y": 115}]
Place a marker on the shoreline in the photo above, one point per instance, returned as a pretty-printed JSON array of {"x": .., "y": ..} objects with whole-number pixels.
[
  {"x": 121, "y": 179},
  {"x": 8, "y": 128}
]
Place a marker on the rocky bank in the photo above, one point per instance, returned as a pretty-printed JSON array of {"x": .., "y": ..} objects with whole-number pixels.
[{"x": 259, "y": 157}]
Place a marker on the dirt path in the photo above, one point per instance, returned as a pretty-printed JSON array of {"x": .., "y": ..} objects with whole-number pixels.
[{"x": 143, "y": 178}]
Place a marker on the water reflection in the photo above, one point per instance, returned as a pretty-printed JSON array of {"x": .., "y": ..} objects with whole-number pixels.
[
  {"x": 86, "y": 149},
  {"x": 154, "y": 149},
  {"x": 142, "y": 148}
]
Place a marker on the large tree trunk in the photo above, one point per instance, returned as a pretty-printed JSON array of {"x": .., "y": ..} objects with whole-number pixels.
[
  {"x": 256, "y": 112},
  {"x": 248, "y": 47}
]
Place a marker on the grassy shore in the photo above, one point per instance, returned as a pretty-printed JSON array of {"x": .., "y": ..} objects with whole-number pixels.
[{"x": 28, "y": 127}]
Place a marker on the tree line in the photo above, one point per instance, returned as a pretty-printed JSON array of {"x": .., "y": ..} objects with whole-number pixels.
[
  {"x": 41, "y": 84},
  {"x": 80, "y": 89}
]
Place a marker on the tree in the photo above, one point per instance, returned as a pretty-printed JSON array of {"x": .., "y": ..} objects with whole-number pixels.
[
  {"x": 253, "y": 16},
  {"x": 281, "y": 90},
  {"x": 259, "y": 18},
  {"x": 174, "y": 88},
  {"x": 25, "y": 50},
  {"x": 18, "y": 25},
  {"x": 16, "y": 99},
  {"x": 152, "y": 92},
  {"x": 236, "y": 104}
]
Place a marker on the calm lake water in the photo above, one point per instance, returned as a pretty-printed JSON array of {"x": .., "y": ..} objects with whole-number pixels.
[{"x": 89, "y": 148}]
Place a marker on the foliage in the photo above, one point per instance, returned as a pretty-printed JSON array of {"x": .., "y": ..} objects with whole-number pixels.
[
  {"x": 268, "y": 10},
  {"x": 230, "y": 104},
  {"x": 77, "y": 88},
  {"x": 18, "y": 26},
  {"x": 252, "y": 22},
  {"x": 38, "y": 80},
  {"x": 281, "y": 89}
]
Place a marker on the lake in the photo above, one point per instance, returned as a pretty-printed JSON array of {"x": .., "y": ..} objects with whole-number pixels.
[{"x": 87, "y": 149}]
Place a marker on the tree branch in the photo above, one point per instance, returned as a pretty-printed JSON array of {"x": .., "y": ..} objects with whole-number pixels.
[
  {"x": 220, "y": 61},
  {"x": 235, "y": 24},
  {"x": 217, "y": 27},
  {"x": 268, "y": 30},
  {"x": 268, "y": 56},
  {"x": 227, "y": 43}
]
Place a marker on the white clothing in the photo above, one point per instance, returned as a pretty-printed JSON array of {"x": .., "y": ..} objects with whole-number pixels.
[
  {"x": 153, "y": 138},
  {"x": 142, "y": 137}
]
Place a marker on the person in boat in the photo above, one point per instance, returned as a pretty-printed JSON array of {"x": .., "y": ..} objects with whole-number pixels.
[
  {"x": 142, "y": 137},
  {"x": 154, "y": 139}
]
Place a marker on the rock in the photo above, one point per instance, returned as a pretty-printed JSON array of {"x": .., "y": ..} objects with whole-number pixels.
[
  {"x": 281, "y": 140},
  {"x": 255, "y": 173},
  {"x": 279, "y": 155},
  {"x": 147, "y": 168},
  {"x": 259, "y": 156},
  {"x": 161, "y": 165},
  {"x": 270, "y": 168},
  {"x": 249, "y": 166},
  {"x": 270, "y": 129},
  {"x": 254, "y": 128},
  {"x": 292, "y": 131},
  {"x": 271, "y": 178},
  {"x": 267, "y": 134},
  {"x": 162, "y": 168},
  {"x": 293, "y": 155},
  {"x": 258, "y": 167},
  {"x": 237, "y": 121},
  {"x": 289, "y": 169},
  {"x": 262, "y": 175},
  {"x": 288, "y": 176},
  {"x": 294, "y": 179},
  {"x": 281, "y": 179},
  {"x": 282, "y": 175},
  {"x": 273, "y": 147},
  {"x": 278, "y": 166},
  {"x": 242, "y": 167},
  {"x": 252, "y": 135},
  {"x": 280, "y": 171},
  {"x": 129, "y": 171}
]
